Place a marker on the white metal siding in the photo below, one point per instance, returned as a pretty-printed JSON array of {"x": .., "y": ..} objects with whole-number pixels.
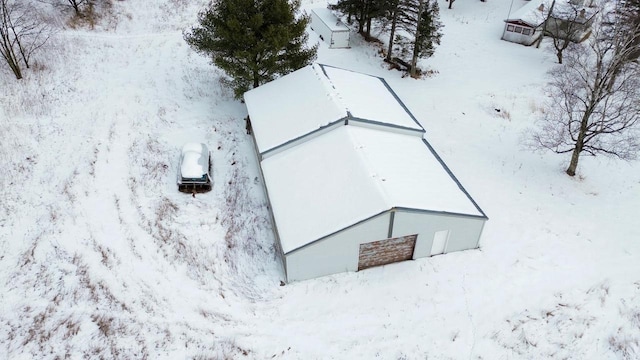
[
  {"x": 387, "y": 128},
  {"x": 335, "y": 36},
  {"x": 340, "y": 39},
  {"x": 464, "y": 232},
  {"x": 520, "y": 38},
  {"x": 337, "y": 253},
  {"x": 320, "y": 27},
  {"x": 440, "y": 239},
  {"x": 302, "y": 139}
]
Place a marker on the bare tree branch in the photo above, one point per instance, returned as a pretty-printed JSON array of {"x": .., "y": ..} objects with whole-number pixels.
[
  {"x": 76, "y": 5},
  {"x": 22, "y": 33},
  {"x": 594, "y": 103}
]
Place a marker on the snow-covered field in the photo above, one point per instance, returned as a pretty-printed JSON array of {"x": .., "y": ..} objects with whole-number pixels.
[{"x": 101, "y": 257}]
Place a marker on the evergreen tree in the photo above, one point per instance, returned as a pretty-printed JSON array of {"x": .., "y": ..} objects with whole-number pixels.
[
  {"x": 421, "y": 20},
  {"x": 428, "y": 33},
  {"x": 253, "y": 41},
  {"x": 364, "y": 11},
  {"x": 393, "y": 15}
]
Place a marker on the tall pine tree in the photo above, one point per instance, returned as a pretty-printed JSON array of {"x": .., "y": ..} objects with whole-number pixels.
[
  {"x": 428, "y": 32},
  {"x": 419, "y": 22},
  {"x": 253, "y": 41},
  {"x": 364, "y": 11}
]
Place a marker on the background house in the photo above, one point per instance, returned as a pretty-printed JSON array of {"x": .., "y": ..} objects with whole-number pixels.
[
  {"x": 350, "y": 180},
  {"x": 571, "y": 19},
  {"x": 559, "y": 18},
  {"x": 524, "y": 26}
]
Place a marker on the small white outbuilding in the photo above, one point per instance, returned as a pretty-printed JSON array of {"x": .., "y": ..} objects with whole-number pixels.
[
  {"x": 330, "y": 29},
  {"x": 524, "y": 26},
  {"x": 350, "y": 180}
]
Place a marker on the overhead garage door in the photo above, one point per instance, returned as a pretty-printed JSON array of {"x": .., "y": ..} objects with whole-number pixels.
[{"x": 386, "y": 251}]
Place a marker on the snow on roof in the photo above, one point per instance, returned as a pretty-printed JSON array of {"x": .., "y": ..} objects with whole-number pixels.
[
  {"x": 330, "y": 19},
  {"x": 580, "y": 12},
  {"x": 294, "y": 105},
  {"x": 369, "y": 97},
  {"x": 350, "y": 174},
  {"x": 316, "y": 96},
  {"x": 530, "y": 13}
]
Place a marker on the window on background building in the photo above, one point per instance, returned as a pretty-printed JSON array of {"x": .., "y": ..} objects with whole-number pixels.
[
  {"x": 509, "y": 27},
  {"x": 526, "y": 31},
  {"x": 518, "y": 29}
]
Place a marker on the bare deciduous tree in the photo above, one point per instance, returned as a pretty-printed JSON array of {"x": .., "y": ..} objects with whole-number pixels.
[
  {"x": 74, "y": 4},
  {"x": 568, "y": 23},
  {"x": 8, "y": 47},
  {"x": 22, "y": 33},
  {"x": 594, "y": 105}
]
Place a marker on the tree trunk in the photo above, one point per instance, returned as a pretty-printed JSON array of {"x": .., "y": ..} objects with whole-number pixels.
[
  {"x": 414, "y": 62},
  {"x": 361, "y": 20},
  {"x": 559, "y": 55},
  {"x": 16, "y": 69},
  {"x": 9, "y": 55},
  {"x": 256, "y": 79},
  {"x": 451, "y": 3},
  {"x": 12, "y": 60},
  {"x": 75, "y": 4},
  {"x": 416, "y": 47},
  {"x": 18, "y": 42},
  {"x": 575, "y": 155},
  {"x": 573, "y": 165},
  {"x": 393, "y": 32}
]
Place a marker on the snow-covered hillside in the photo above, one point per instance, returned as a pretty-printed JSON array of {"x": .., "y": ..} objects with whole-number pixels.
[{"x": 101, "y": 257}]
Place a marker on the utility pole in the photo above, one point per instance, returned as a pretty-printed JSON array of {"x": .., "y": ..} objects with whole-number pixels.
[{"x": 508, "y": 16}]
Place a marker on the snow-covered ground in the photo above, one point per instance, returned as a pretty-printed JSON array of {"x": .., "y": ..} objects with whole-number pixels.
[{"x": 101, "y": 257}]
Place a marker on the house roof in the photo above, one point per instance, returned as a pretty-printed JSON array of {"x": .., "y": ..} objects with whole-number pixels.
[
  {"x": 351, "y": 173},
  {"x": 529, "y": 13},
  {"x": 578, "y": 13},
  {"x": 330, "y": 19},
  {"x": 316, "y": 96}
]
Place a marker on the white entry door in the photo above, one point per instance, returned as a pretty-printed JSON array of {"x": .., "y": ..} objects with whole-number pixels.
[{"x": 439, "y": 242}]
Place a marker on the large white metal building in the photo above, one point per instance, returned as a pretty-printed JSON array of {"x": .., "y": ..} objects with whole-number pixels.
[{"x": 350, "y": 180}]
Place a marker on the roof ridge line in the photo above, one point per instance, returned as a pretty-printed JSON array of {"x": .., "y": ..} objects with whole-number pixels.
[
  {"x": 333, "y": 92},
  {"x": 368, "y": 164}
]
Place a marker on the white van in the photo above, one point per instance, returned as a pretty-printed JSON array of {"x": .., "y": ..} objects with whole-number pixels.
[{"x": 194, "y": 168}]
